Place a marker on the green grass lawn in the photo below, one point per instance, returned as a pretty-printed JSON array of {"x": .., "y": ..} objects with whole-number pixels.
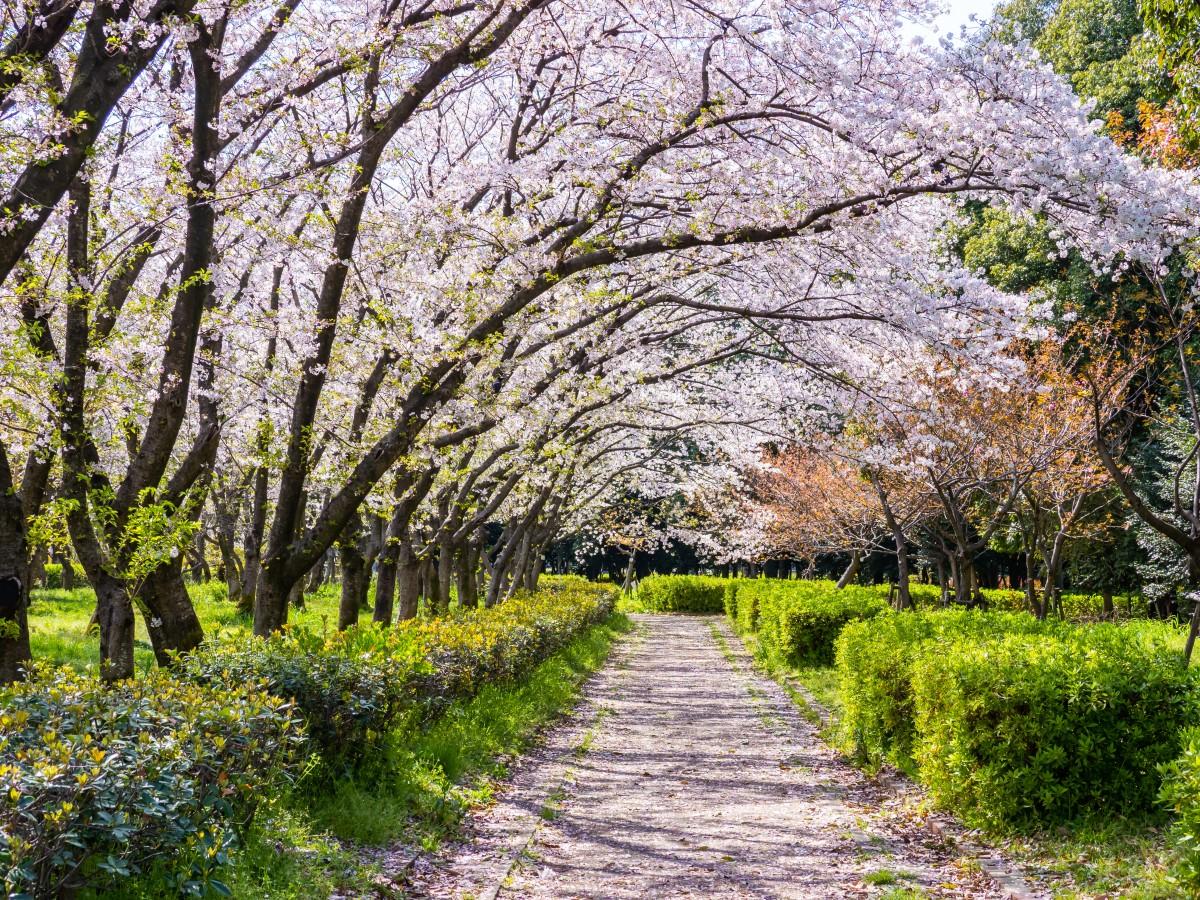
[{"x": 58, "y": 622}]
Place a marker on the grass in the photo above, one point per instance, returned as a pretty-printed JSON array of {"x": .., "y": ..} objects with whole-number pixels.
[
  {"x": 1101, "y": 857},
  {"x": 58, "y": 622}
]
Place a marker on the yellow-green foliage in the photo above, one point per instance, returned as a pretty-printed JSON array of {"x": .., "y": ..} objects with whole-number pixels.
[
  {"x": 1026, "y": 729},
  {"x": 682, "y": 593},
  {"x": 98, "y": 782},
  {"x": 798, "y": 621},
  {"x": 353, "y": 686},
  {"x": 874, "y": 663}
]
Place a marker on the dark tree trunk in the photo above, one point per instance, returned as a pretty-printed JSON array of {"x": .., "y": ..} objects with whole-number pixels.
[
  {"x": 385, "y": 590},
  {"x": 445, "y": 577},
  {"x": 114, "y": 615},
  {"x": 851, "y": 572},
  {"x": 408, "y": 580},
  {"x": 14, "y": 579},
  {"x": 171, "y": 619},
  {"x": 350, "y": 556},
  {"x": 468, "y": 584}
]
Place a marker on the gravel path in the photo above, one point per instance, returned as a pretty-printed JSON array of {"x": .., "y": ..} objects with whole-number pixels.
[{"x": 687, "y": 774}]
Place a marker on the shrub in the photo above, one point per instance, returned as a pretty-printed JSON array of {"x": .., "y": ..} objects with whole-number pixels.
[
  {"x": 730, "y": 598},
  {"x": 354, "y": 686},
  {"x": 1030, "y": 729},
  {"x": 682, "y": 593},
  {"x": 1181, "y": 794},
  {"x": 97, "y": 782},
  {"x": 748, "y": 594},
  {"x": 874, "y": 663},
  {"x": 346, "y": 700},
  {"x": 799, "y": 621}
]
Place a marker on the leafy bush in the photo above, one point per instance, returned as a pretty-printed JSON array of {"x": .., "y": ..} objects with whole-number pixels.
[
  {"x": 874, "y": 664},
  {"x": 1022, "y": 729},
  {"x": 747, "y": 596},
  {"x": 346, "y": 700},
  {"x": 1181, "y": 794},
  {"x": 730, "y": 598},
  {"x": 97, "y": 782},
  {"x": 353, "y": 687},
  {"x": 798, "y": 621},
  {"x": 682, "y": 593}
]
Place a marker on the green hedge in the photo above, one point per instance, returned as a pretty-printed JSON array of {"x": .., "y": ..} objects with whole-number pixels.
[
  {"x": 874, "y": 661},
  {"x": 1181, "y": 794},
  {"x": 744, "y": 596},
  {"x": 682, "y": 593},
  {"x": 799, "y": 623},
  {"x": 354, "y": 686},
  {"x": 1036, "y": 728},
  {"x": 97, "y": 782}
]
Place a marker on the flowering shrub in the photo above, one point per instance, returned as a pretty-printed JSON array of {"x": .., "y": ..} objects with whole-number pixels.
[
  {"x": 1027, "y": 729},
  {"x": 353, "y": 686},
  {"x": 98, "y": 781},
  {"x": 682, "y": 593}
]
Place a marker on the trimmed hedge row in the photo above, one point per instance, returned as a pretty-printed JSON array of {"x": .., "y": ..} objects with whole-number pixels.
[
  {"x": 682, "y": 593},
  {"x": 97, "y": 782},
  {"x": 874, "y": 668},
  {"x": 799, "y": 621},
  {"x": 1037, "y": 728},
  {"x": 353, "y": 686},
  {"x": 1013, "y": 722}
]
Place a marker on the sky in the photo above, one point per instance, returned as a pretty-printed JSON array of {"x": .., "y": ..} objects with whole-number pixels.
[{"x": 958, "y": 13}]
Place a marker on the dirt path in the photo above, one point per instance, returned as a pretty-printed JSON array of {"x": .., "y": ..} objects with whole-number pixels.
[{"x": 686, "y": 774}]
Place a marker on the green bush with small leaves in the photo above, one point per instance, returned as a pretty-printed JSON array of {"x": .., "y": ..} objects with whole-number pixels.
[
  {"x": 798, "y": 621},
  {"x": 1029, "y": 729},
  {"x": 99, "y": 782},
  {"x": 1181, "y": 795},
  {"x": 682, "y": 593},
  {"x": 353, "y": 687},
  {"x": 874, "y": 661}
]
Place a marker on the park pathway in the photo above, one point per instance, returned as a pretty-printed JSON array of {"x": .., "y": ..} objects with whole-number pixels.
[{"x": 687, "y": 774}]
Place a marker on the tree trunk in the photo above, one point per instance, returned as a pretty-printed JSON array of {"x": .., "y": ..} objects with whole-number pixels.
[
  {"x": 14, "y": 580},
  {"x": 1108, "y": 611},
  {"x": 903, "y": 594},
  {"x": 630, "y": 568},
  {"x": 1035, "y": 606},
  {"x": 445, "y": 578},
  {"x": 468, "y": 585},
  {"x": 353, "y": 565},
  {"x": 171, "y": 619},
  {"x": 408, "y": 581},
  {"x": 851, "y": 570},
  {"x": 385, "y": 590},
  {"x": 114, "y": 615}
]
